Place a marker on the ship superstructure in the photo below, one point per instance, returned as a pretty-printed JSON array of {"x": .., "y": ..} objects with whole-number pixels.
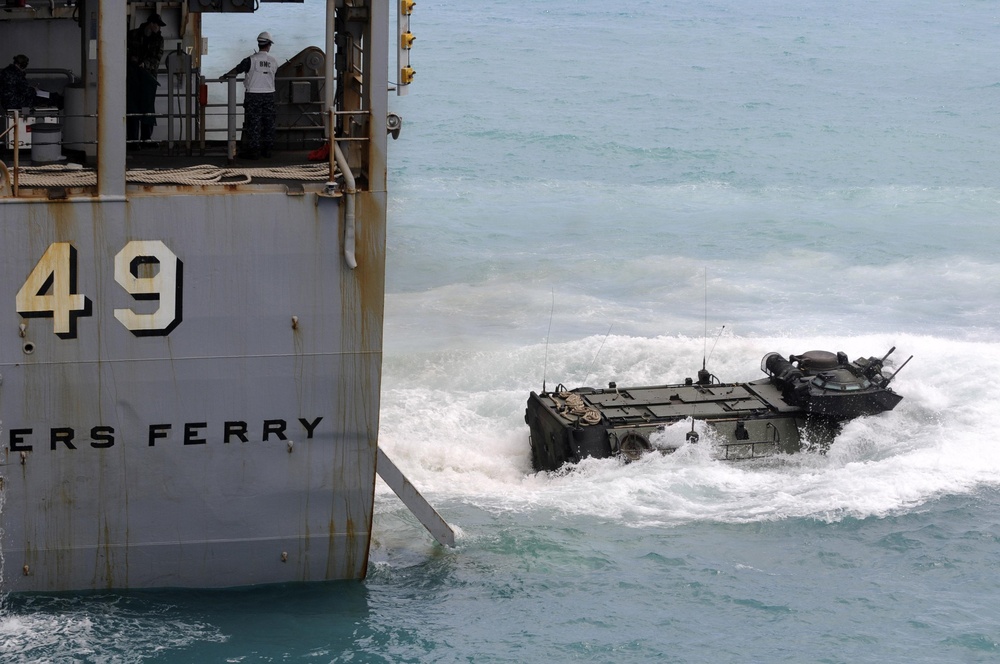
[{"x": 190, "y": 361}]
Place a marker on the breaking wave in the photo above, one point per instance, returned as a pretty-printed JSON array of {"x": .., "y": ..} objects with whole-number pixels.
[{"x": 454, "y": 423}]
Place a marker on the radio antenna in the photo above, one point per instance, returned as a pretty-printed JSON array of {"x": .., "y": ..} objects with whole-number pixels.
[
  {"x": 713, "y": 345},
  {"x": 545, "y": 363},
  {"x": 589, "y": 371},
  {"x": 896, "y": 372},
  {"x": 704, "y": 338},
  {"x": 704, "y": 377}
]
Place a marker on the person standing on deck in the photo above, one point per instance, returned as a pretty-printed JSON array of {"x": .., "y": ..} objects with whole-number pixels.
[
  {"x": 145, "y": 48},
  {"x": 259, "y": 111}
]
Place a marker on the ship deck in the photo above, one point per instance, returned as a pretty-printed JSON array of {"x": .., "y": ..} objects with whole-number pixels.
[
  {"x": 283, "y": 167},
  {"x": 156, "y": 167}
]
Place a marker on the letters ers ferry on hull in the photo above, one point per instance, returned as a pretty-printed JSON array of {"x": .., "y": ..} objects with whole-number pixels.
[{"x": 190, "y": 358}]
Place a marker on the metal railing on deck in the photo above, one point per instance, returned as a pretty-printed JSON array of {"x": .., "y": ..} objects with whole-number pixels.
[
  {"x": 194, "y": 122},
  {"x": 6, "y": 174},
  {"x": 232, "y": 114}
]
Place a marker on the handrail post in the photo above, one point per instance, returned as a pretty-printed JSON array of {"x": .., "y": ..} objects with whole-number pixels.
[
  {"x": 189, "y": 108},
  {"x": 332, "y": 156},
  {"x": 17, "y": 150},
  {"x": 170, "y": 107},
  {"x": 231, "y": 118},
  {"x": 200, "y": 82}
]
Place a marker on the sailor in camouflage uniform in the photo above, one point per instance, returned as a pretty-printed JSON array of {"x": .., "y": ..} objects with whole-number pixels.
[
  {"x": 15, "y": 93},
  {"x": 145, "y": 49},
  {"x": 259, "y": 111}
]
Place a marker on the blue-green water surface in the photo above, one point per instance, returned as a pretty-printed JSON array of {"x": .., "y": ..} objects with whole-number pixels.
[{"x": 583, "y": 192}]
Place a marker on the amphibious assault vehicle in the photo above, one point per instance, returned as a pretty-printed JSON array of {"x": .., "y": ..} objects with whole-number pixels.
[{"x": 803, "y": 398}]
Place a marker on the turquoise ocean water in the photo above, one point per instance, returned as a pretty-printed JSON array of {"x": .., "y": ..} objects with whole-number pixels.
[{"x": 573, "y": 182}]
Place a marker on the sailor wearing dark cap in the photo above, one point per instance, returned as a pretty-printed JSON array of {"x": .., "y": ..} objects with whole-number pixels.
[
  {"x": 258, "y": 101},
  {"x": 15, "y": 93},
  {"x": 145, "y": 49}
]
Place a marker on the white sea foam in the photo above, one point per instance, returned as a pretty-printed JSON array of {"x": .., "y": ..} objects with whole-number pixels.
[
  {"x": 454, "y": 423},
  {"x": 95, "y": 629}
]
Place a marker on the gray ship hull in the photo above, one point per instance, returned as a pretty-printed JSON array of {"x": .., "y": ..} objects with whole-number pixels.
[
  {"x": 191, "y": 348},
  {"x": 237, "y": 448}
]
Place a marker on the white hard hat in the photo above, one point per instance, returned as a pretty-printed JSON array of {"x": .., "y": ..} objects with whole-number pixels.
[{"x": 264, "y": 37}]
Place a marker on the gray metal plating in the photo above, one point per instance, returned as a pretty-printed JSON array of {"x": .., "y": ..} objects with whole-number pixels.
[{"x": 191, "y": 373}]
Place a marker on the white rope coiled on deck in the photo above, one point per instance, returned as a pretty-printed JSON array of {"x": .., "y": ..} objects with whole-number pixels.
[
  {"x": 56, "y": 175},
  {"x": 193, "y": 175},
  {"x": 575, "y": 405},
  {"x": 320, "y": 171},
  {"x": 72, "y": 175}
]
